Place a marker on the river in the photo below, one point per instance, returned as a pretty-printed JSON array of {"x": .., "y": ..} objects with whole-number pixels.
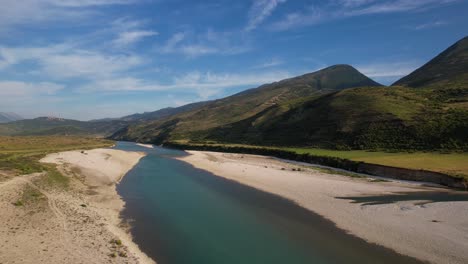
[{"x": 180, "y": 214}]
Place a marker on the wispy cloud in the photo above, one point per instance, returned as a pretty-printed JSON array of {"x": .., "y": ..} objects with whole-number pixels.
[
  {"x": 204, "y": 84},
  {"x": 341, "y": 9},
  {"x": 388, "y": 72},
  {"x": 13, "y": 89},
  {"x": 14, "y": 12},
  {"x": 259, "y": 11},
  {"x": 428, "y": 25},
  {"x": 270, "y": 63},
  {"x": 130, "y": 31},
  {"x": 20, "y": 96},
  {"x": 66, "y": 61},
  {"x": 175, "y": 44},
  {"x": 131, "y": 37},
  {"x": 211, "y": 42},
  {"x": 86, "y": 3}
]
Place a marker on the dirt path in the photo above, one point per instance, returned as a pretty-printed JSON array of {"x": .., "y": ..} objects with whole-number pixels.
[{"x": 43, "y": 223}]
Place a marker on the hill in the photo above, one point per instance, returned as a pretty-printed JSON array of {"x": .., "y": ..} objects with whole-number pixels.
[
  {"x": 363, "y": 118},
  {"x": 246, "y": 104},
  {"x": 450, "y": 68},
  {"x": 336, "y": 107},
  {"x": 162, "y": 113},
  {"x": 60, "y": 126},
  {"x": 9, "y": 117}
]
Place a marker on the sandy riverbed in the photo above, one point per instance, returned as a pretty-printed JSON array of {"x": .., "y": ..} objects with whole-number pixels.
[
  {"x": 435, "y": 232},
  {"x": 77, "y": 224},
  {"x": 145, "y": 145}
]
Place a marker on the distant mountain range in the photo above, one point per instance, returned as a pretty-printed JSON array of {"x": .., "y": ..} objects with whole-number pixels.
[
  {"x": 337, "y": 107},
  {"x": 9, "y": 117},
  {"x": 60, "y": 126},
  {"x": 279, "y": 96}
]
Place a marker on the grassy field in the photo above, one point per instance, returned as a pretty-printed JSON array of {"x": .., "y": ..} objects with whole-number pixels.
[
  {"x": 21, "y": 155},
  {"x": 452, "y": 163},
  {"x": 455, "y": 164}
]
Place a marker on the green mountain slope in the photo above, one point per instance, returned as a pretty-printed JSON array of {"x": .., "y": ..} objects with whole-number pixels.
[
  {"x": 60, "y": 126},
  {"x": 325, "y": 109},
  {"x": 246, "y": 104},
  {"x": 450, "y": 68},
  {"x": 434, "y": 116},
  {"x": 162, "y": 113},
  {"x": 361, "y": 118}
]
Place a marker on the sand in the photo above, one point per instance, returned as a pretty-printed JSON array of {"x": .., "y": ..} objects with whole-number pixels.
[
  {"x": 76, "y": 224},
  {"x": 434, "y": 232},
  {"x": 145, "y": 145}
]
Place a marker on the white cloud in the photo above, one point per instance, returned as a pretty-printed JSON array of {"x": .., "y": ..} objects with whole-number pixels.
[
  {"x": 65, "y": 61},
  {"x": 433, "y": 24},
  {"x": 271, "y": 63},
  {"x": 297, "y": 19},
  {"x": 172, "y": 43},
  {"x": 394, "y": 6},
  {"x": 196, "y": 50},
  {"x": 388, "y": 72},
  {"x": 341, "y": 9},
  {"x": 14, "y": 12},
  {"x": 175, "y": 45},
  {"x": 194, "y": 45},
  {"x": 261, "y": 10},
  {"x": 86, "y": 3},
  {"x": 129, "y": 31},
  {"x": 130, "y": 37},
  {"x": 13, "y": 89},
  {"x": 355, "y": 3},
  {"x": 203, "y": 84}
]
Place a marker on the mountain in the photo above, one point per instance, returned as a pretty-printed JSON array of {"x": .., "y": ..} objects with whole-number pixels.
[
  {"x": 336, "y": 107},
  {"x": 360, "y": 118},
  {"x": 162, "y": 113},
  {"x": 98, "y": 127},
  {"x": 246, "y": 104},
  {"x": 60, "y": 126},
  {"x": 9, "y": 117},
  {"x": 434, "y": 116},
  {"x": 450, "y": 68}
]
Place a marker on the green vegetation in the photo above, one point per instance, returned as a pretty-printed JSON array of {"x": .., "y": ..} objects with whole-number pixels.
[
  {"x": 426, "y": 111},
  {"x": 339, "y": 172},
  {"x": 18, "y": 203},
  {"x": 331, "y": 115},
  {"x": 117, "y": 242},
  {"x": 267, "y": 101},
  {"x": 446, "y": 67},
  {"x": 393, "y": 118},
  {"x": 62, "y": 127},
  {"x": 21, "y": 155},
  {"x": 30, "y": 195},
  {"x": 334, "y": 108},
  {"x": 454, "y": 164},
  {"x": 117, "y": 245}
]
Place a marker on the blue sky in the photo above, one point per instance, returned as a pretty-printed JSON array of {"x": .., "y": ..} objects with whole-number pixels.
[{"x": 86, "y": 59}]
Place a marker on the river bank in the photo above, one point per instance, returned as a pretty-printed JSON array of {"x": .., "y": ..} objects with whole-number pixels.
[
  {"x": 79, "y": 223},
  {"x": 435, "y": 232}
]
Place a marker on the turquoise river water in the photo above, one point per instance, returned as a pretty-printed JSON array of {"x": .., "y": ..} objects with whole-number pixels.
[{"x": 183, "y": 215}]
